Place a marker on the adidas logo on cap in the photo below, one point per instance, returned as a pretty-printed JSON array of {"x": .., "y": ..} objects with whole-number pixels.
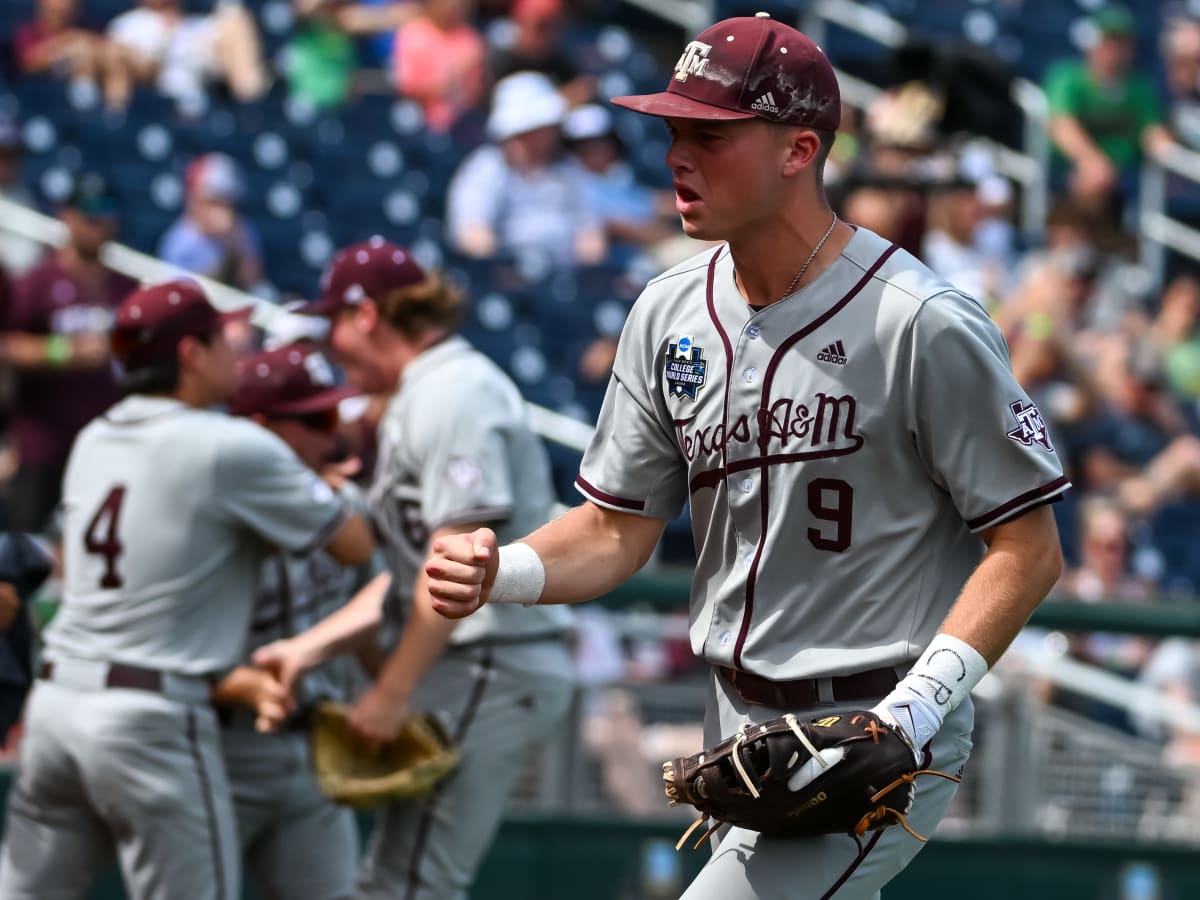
[
  {"x": 835, "y": 353},
  {"x": 766, "y": 103}
]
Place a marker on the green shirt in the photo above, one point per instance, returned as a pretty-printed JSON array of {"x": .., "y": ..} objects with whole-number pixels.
[{"x": 1114, "y": 115}]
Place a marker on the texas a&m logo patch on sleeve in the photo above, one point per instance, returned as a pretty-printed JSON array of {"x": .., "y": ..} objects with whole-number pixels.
[
  {"x": 1031, "y": 427},
  {"x": 685, "y": 368}
]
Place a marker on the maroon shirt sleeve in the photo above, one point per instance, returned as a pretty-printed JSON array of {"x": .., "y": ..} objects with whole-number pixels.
[
  {"x": 28, "y": 309},
  {"x": 27, "y": 39}
]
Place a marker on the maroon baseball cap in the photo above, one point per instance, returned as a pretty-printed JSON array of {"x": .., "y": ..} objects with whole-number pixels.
[
  {"x": 289, "y": 381},
  {"x": 368, "y": 269},
  {"x": 151, "y": 321},
  {"x": 749, "y": 67}
]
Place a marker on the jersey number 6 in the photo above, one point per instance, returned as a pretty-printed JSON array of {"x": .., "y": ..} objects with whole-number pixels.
[{"x": 101, "y": 535}]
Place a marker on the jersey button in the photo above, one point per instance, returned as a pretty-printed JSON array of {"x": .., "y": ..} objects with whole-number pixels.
[
  {"x": 748, "y": 559},
  {"x": 752, "y": 331},
  {"x": 750, "y": 374},
  {"x": 747, "y": 485},
  {"x": 726, "y": 637}
]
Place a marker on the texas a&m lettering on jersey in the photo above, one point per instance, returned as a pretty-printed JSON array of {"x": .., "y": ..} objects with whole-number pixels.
[{"x": 791, "y": 429}]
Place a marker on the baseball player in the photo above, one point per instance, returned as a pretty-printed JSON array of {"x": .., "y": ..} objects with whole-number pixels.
[
  {"x": 168, "y": 509},
  {"x": 868, "y": 483},
  {"x": 296, "y": 844},
  {"x": 455, "y": 453}
]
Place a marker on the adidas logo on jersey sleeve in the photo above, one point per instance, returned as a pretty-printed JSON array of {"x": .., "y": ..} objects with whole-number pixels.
[
  {"x": 835, "y": 353},
  {"x": 766, "y": 103}
]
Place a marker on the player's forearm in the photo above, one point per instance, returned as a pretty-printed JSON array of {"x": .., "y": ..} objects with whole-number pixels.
[
  {"x": 590, "y": 550},
  {"x": 1069, "y": 136},
  {"x": 1022, "y": 564},
  {"x": 40, "y": 352},
  {"x": 424, "y": 640},
  {"x": 343, "y": 630},
  {"x": 239, "y": 688}
]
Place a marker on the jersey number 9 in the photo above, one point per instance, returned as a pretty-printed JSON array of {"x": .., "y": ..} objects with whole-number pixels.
[{"x": 101, "y": 539}]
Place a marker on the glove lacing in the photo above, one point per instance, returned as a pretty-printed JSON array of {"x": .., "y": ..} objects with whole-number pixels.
[
  {"x": 884, "y": 814},
  {"x": 743, "y": 734}
]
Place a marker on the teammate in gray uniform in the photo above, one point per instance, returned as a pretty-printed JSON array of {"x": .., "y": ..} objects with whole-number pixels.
[
  {"x": 168, "y": 509},
  {"x": 297, "y": 844},
  {"x": 867, "y": 480},
  {"x": 455, "y": 453}
]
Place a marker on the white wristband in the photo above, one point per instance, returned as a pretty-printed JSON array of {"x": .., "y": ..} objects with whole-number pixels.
[
  {"x": 939, "y": 681},
  {"x": 520, "y": 576},
  {"x": 947, "y": 672}
]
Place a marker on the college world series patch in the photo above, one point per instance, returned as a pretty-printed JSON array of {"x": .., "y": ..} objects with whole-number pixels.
[{"x": 685, "y": 368}]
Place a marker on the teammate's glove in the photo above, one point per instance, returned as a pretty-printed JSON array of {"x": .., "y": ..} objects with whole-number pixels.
[
  {"x": 352, "y": 771},
  {"x": 842, "y": 774}
]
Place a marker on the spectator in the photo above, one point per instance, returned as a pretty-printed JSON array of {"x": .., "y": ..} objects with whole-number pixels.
[
  {"x": 57, "y": 341},
  {"x": 322, "y": 57},
  {"x": 517, "y": 196},
  {"x": 1103, "y": 575},
  {"x": 1104, "y": 115},
  {"x": 18, "y": 254},
  {"x": 439, "y": 61},
  {"x": 537, "y": 46},
  {"x": 210, "y": 238},
  {"x": 634, "y": 216},
  {"x": 1140, "y": 444},
  {"x": 181, "y": 53},
  {"x": 955, "y": 216},
  {"x": 875, "y": 208},
  {"x": 55, "y": 43},
  {"x": 1181, "y": 60}
]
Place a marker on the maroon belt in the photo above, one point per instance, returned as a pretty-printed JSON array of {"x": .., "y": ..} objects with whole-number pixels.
[
  {"x": 803, "y": 693},
  {"x": 119, "y": 676}
]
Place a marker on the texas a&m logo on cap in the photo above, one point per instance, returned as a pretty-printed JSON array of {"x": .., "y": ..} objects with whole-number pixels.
[
  {"x": 685, "y": 368},
  {"x": 693, "y": 61}
]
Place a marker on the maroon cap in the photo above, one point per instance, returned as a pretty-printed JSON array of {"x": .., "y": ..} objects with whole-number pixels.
[
  {"x": 749, "y": 67},
  {"x": 364, "y": 270},
  {"x": 288, "y": 381},
  {"x": 151, "y": 321}
]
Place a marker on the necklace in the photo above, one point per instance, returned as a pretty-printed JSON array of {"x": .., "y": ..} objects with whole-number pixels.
[{"x": 808, "y": 262}]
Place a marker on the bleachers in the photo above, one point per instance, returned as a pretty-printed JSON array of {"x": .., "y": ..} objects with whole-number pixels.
[{"x": 318, "y": 180}]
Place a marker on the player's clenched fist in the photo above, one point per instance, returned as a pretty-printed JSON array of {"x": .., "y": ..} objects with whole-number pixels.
[{"x": 461, "y": 571}]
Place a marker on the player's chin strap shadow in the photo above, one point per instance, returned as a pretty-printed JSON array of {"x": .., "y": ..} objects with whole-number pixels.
[{"x": 886, "y": 815}]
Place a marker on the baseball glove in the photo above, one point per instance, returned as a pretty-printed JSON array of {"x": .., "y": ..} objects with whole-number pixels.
[
  {"x": 843, "y": 774},
  {"x": 351, "y": 771}
]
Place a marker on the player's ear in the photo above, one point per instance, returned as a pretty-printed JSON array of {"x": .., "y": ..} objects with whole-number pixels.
[
  {"x": 803, "y": 146},
  {"x": 366, "y": 315}
]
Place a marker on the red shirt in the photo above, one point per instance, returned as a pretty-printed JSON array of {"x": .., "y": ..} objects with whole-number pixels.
[
  {"x": 26, "y": 40},
  {"x": 51, "y": 406}
]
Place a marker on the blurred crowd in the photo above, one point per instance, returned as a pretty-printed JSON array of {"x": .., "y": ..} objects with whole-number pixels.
[{"x": 1109, "y": 350}]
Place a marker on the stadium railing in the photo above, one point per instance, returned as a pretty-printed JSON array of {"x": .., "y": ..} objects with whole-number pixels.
[{"x": 1159, "y": 230}]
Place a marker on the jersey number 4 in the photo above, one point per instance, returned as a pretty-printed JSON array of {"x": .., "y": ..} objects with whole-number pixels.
[{"x": 101, "y": 539}]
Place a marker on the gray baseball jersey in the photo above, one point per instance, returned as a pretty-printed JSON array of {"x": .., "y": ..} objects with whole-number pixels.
[
  {"x": 296, "y": 843},
  {"x": 454, "y": 448},
  {"x": 168, "y": 513},
  {"x": 841, "y": 450}
]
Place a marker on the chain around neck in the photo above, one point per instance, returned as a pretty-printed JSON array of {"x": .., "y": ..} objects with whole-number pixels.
[{"x": 808, "y": 262}]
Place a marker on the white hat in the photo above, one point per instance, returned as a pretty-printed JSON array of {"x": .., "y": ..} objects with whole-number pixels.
[
  {"x": 522, "y": 102},
  {"x": 586, "y": 122}
]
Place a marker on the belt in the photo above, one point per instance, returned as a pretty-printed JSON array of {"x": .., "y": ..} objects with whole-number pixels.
[
  {"x": 507, "y": 640},
  {"x": 96, "y": 675},
  {"x": 241, "y": 718},
  {"x": 805, "y": 693}
]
